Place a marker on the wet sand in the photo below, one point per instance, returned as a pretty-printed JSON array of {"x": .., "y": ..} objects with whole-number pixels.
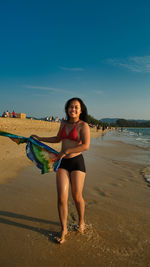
[{"x": 117, "y": 214}]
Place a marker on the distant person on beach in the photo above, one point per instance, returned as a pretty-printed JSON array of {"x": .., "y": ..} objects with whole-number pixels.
[
  {"x": 74, "y": 133},
  {"x": 7, "y": 114},
  {"x": 103, "y": 128},
  {"x": 4, "y": 114},
  {"x": 98, "y": 127},
  {"x": 13, "y": 114}
]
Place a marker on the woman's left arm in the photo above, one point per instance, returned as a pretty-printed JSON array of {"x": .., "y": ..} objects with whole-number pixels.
[{"x": 85, "y": 141}]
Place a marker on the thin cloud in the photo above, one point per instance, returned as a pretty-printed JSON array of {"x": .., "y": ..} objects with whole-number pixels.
[
  {"x": 45, "y": 88},
  {"x": 98, "y": 92},
  {"x": 71, "y": 69},
  {"x": 134, "y": 64}
]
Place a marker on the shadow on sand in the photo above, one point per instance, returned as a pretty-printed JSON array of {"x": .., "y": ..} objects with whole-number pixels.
[{"x": 50, "y": 235}]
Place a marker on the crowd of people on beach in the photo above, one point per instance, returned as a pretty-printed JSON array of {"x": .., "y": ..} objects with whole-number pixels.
[
  {"x": 7, "y": 114},
  {"x": 52, "y": 119}
]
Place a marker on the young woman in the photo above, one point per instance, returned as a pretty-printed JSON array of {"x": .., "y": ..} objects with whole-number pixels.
[{"x": 74, "y": 133}]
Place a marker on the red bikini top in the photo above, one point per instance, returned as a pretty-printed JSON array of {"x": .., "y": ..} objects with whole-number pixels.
[{"x": 72, "y": 135}]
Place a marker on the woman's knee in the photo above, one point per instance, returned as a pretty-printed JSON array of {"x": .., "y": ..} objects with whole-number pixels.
[
  {"x": 77, "y": 197},
  {"x": 62, "y": 200}
]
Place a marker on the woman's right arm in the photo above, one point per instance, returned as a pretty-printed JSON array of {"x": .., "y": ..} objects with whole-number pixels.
[{"x": 53, "y": 139}]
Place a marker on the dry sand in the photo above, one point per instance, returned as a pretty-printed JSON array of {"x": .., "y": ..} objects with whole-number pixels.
[{"x": 117, "y": 213}]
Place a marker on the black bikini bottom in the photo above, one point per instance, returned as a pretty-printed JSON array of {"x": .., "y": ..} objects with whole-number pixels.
[{"x": 73, "y": 164}]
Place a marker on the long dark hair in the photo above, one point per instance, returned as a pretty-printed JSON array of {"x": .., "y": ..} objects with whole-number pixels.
[{"x": 84, "y": 112}]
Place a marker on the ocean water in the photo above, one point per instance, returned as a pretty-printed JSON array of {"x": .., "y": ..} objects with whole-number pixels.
[{"x": 136, "y": 136}]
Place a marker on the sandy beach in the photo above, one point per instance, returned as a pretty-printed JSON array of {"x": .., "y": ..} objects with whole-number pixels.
[
  {"x": 12, "y": 153},
  {"x": 117, "y": 206}
]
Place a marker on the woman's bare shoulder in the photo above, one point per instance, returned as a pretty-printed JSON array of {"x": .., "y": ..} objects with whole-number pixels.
[
  {"x": 83, "y": 125},
  {"x": 84, "y": 131}
]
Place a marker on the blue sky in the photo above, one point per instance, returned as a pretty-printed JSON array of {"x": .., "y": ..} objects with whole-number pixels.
[{"x": 98, "y": 50}]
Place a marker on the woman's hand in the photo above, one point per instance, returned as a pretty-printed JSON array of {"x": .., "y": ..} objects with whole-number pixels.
[{"x": 61, "y": 154}]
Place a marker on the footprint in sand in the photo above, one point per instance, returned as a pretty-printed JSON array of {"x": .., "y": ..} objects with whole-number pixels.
[
  {"x": 102, "y": 192},
  {"x": 91, "y": 202},
  {"x": 115, "y": 162},
  {"x": 124, "y": 179},
  {"x": 118, "y": 184}
]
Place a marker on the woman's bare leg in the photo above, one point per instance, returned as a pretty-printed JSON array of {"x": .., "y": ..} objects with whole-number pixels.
[
  {"x": 77, "y": 183},
  {"x": 62, "y": 180}
]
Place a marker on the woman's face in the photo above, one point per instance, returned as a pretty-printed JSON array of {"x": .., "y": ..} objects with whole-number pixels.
[{"x": 74, "y": 109}]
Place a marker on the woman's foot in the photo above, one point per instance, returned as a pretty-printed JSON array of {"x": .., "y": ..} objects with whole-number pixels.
[
  {"x": 62, "y": 239},
  {"x": 81, "y": 228}
]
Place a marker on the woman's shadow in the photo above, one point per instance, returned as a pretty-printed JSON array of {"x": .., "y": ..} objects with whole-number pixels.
[{"x": 50, "y": 235}]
